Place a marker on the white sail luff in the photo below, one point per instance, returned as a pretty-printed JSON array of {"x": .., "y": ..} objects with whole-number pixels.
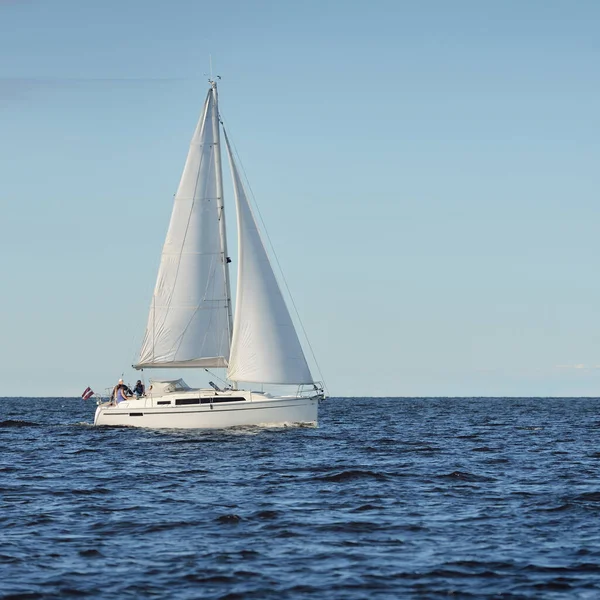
[
  {"x": 265, "y": 347},
  {"x": 188, "y": 324}
]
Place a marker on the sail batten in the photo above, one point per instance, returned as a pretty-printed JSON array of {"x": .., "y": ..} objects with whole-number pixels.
[
  {"x": 188, "y": 324},
  {"x": 265, "y": 347}
]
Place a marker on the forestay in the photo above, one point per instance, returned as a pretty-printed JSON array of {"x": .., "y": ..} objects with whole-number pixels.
[
  {"x": 265, "y": 347},
  {"x": 188, "y": 321}
]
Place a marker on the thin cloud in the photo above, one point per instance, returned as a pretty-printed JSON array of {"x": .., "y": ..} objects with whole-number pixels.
[
  {"x": 58, "y": 81},
  {"x": 19, "y": 88},
  {"x": 578, "y": 366}
]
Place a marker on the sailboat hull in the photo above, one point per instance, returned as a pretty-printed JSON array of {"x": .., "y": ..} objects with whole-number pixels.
[{"x": 222, "y": 412}]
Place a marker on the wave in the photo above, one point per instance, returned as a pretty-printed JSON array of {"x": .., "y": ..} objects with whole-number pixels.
[
  {"x": 18, "y": 423},
  {"x": 352, "y": 527},
  {"x": 588, "y": 497},
  {"x": 559, "y": 508},
  {"x": 464, "y": 476},
  {"x": 352, "y": 475},
  {"x": 367, "y": 507},
  {"x": 266, "y": 514},
  {"x": 230, "y": 519}
]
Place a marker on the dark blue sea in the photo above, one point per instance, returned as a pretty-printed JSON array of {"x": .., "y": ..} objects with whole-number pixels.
[{"x": 388, "y": 498}]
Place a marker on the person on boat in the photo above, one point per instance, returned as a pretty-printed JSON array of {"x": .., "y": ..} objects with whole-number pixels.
[
  {"x": 120, "y": 392},
  {"x": 139, "y": 390},
  {"x": 114, "y": 390}
]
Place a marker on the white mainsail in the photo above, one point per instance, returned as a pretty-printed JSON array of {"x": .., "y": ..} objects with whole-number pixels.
[
  {"x": 189, "y": 323},
  {"x": 265, "y": 347}
]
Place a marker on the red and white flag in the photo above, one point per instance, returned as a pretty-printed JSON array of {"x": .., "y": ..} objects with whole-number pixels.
[{"x": 88, "y": 393}]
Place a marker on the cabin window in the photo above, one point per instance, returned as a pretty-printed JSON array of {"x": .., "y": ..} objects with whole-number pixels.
[
  {"x": 184, "y": 401},
  {"x": 136, "y": 414},
  {"x": 222, "y": 399},
  {"x": 163, "y": 402}
]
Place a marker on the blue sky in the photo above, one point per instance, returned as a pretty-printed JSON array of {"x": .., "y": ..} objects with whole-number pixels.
[{"x": 427, "y": 171}]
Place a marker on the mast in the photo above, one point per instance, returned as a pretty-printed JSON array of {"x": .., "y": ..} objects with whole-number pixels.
[{"x": 220, "y": 206}]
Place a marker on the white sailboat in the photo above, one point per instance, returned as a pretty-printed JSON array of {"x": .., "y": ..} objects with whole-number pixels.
[{"x": 191, "y": 322}]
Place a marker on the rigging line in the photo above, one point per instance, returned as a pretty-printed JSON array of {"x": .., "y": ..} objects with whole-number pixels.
[
  {"x": 287, "y": 287},
  {"x": 216, "y": 377}
]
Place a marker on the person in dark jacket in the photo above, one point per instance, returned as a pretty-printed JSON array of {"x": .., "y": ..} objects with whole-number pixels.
[{"x": 139, "y": 390}]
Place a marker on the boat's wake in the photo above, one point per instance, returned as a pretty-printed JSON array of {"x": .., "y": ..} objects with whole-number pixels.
[{"x": 259, "y": 427}]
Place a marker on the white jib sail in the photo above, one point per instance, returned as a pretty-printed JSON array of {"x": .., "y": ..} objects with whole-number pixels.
[
  {"x": 188, "y": 322},
  {"x": 265, "y": 347}
]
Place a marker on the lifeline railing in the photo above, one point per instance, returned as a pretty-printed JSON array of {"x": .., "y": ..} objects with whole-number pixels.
[{"x": 312, "y": 389}]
